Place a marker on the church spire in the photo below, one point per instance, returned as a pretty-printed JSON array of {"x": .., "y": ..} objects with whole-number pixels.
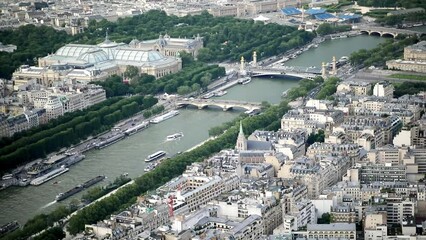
[
  {"x": 241, "y": 139},
  {"x": 241, "y": 129}
]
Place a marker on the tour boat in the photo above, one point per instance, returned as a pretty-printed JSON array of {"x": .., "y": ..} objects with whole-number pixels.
[
  {"x": 208, "y": 95},
  {"x": 174, "y": 136},
  {"x": 220, "y": 93},
  {"x": 155, "y": 156},
  {"x": 245, "y": 81},
  {"x": 164, "y": 116}
]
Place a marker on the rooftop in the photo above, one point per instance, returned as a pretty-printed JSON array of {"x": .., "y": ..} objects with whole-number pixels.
[
  {"x": 314, "y": 11},
  {"x": 420, "y": 46},
  {"x": 332, "y": 227},
  {"x": 290, "y": 11}
]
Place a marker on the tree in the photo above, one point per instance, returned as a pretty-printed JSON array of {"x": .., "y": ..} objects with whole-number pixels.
[
  {"x": 329, "y": 88},
  {"x": 73, "y": 205},
  {"x": 206, "y": 79},
  {"x": 325, "y": 219},
  {"x": 51, "y": 234},
  {"x": 182, "y": 90},
  {"x": 187, "y": 59},
  {"x": 196, "y": 87},
  {"x": 318, "y": 137},
  {"x": 265, "y": 105},
  {"x": 215, "y": 131},
  {"x": 131, "y": 72},
  {"x": 324, "y": 29}
]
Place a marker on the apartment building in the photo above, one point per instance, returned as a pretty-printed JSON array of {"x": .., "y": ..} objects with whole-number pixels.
[
  {"x": 21, "y": 122},
  {"x": 140, "y": 218},
  {"x": 197, "y": 191},
  {"x": 343, "y": 214},
  {"x": 336, "y": 138},
  {"x": 291, "y": 144},
  {"x": 235, "y": 205},
  {"x": 355, "y": 88},
  {"x": 383, "y": 89},
  {"x": 333, "y": 230},
  {"x": 381, "y": 106},
  {"x": 293, "y": 194},
  {"x": 54, "y": 107},
  {"x": 383, "y": 129},
  {"x": 418, "y": 134},
  {"x": 370, "y": 173},
  {"x": 249, "y": 228},
  {"x": 354, "y": 190},
  {"x": 415, "y": 160},
  {"x": 375, "y": 226},
  {"x": 399, "y": 210},
  {"x": 308, "y": 172},
  {"x": 350, "y": 151},
  {"x": 310, "y": 119},
  {"x": 45, "y": 104},
  {"x": 301, "y": 215}
]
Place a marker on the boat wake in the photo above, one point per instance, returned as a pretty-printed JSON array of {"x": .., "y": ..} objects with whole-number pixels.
[{"x": 49, "y": 204}]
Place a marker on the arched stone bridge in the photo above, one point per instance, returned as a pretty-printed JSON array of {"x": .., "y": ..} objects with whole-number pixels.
[
  {"x": 387, "y": 32},
  {"x": 224, "y": 104},
  {"x": 272, "y": 72}
]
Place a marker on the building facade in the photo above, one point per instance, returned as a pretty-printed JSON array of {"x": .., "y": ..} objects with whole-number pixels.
[
  {"x": 169, "y": 46},
  {"x": 414, "y": 59},
  {"x": 333, "y": 230},
  {"x": 88, "y": 63}
]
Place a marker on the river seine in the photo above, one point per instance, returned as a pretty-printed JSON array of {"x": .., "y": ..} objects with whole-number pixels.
[{"x": 127, "y": 156}]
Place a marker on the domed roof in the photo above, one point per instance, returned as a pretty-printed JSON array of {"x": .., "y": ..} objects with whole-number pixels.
[
  {"x": 138, "y": 55},
  {"x": 108, "y": 44},
  {"x": 134, "y": 42},
  {"x": 95, "y": 56},
  {"x": 161, "y": 41}
]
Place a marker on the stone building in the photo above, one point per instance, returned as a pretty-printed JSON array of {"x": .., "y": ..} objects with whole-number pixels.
[
  {"x": 414, "y": 59},
  {"x": 416, "y": 52},
  {"x": 169, "y": 46},
  {"x": 86, "y": 63},
  {"x": 383, "y": 89},
  {"x": 332, "y": 231}
]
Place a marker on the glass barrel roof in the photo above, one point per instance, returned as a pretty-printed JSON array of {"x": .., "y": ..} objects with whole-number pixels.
[
  {"x": 71, "y": 50},
  {"x": 137, "y": 55},
  {"x": 96, "y": 56}
]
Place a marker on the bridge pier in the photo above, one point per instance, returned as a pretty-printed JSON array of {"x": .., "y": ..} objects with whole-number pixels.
[
  {"x": 386, "y": 32},
  {"x": 225, "y": 105}
]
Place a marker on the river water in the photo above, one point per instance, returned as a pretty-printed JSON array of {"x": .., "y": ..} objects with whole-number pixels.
[
  {"x": 419, "y": 28},
  {"x": 127, "y": 156}
]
